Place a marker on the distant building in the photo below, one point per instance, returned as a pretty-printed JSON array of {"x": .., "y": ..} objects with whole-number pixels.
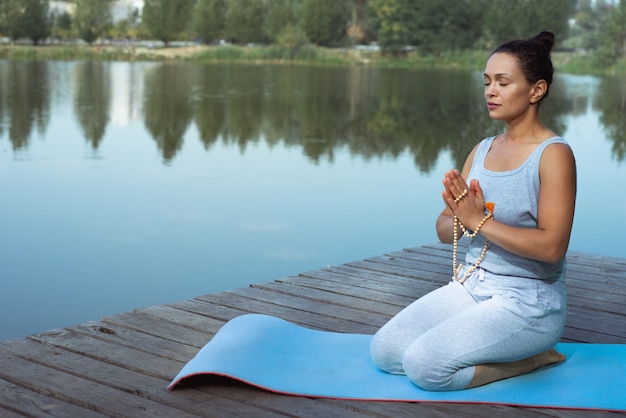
[
  {"x": 120, "y": 9},
  {"x": 60, "y": 7}
]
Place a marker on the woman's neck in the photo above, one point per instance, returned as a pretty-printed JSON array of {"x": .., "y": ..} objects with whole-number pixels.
[{"x": 527, "y": 130}]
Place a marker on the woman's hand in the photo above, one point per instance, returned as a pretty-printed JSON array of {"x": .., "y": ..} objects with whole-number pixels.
[{"x": 465, "y": 201}]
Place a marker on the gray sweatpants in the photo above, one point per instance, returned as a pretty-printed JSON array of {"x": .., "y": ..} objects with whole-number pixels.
[{"x": 438, "y": 339}]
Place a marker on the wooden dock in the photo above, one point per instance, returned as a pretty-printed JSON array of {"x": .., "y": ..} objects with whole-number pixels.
[{"x": 120, "y": 366}]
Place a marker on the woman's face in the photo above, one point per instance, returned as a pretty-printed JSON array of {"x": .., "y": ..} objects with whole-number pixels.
[{"x": 507, "y": 92}]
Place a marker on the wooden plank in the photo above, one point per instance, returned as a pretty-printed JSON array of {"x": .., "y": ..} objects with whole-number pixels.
[
  {"x": 16, "y": 401},
  {"x": 355, "y": 288},
  {"x": 193, "y": 321},
  {"x": 303, "y": 315},
  {"x": 154, "y": 389},
  {"x": 9, "y": 413},
  {"x": 219, "y": 400},
  {"x": 79, "y": 391},
  {"x": 123, "y": 336},
  {"x": 137, "y": 359},
  {"x": 131, "y": 357},
  {"x": 330, "y": 295},
  {"x": 330, "y": 310},
  {"x": 385, "y": 284},
  {"x": 205, "y": 306},
  {"x": 140, "y": 385}
]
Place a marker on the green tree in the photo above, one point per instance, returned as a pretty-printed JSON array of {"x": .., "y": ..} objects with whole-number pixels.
[
  {"x": 25, "y": 19},
  {"x": 280, "y": 15},
  {"x": 325, "y": 22},
  {"x": 612, "y": 35},
  {"x": 208, "y": 19},
  {"x": 358, "y": 30},
  {"x": 245, "y": 20},
  {"x": 393, "y": 20},
  {"x": 126, "y": 27},
  {"x": 436, "y": 28},
  {"x": 61, "y": 25},
  {"x": 583, "y": 33},
  {"x": 506, "y": 20},
  {"x": 165, "y": 20},
  {"x": 92, "y": 18},
  {"x": 585, "y": 15}
]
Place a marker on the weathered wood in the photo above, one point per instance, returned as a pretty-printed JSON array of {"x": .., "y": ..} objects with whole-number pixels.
[
  {"x": 120, "y": 365},
  {"x": 80, "y": 391},
  {"x": 14, "y": 399}
]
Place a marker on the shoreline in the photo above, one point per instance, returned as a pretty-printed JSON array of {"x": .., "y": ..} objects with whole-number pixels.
[{"x": 566, "y": 62}]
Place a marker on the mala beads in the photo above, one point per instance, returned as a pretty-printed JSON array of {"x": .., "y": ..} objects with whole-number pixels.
[
  {"x": 456, "y": 224},
  {"x": 461, "y": 196}
]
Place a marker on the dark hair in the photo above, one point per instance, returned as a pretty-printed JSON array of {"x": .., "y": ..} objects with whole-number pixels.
[{"x": 533, "y": 55}]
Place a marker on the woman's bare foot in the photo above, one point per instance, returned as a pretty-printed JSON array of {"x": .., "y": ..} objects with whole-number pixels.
[
  {"x": 487, "y": 373},
  {"x": 548, "y": 357}
]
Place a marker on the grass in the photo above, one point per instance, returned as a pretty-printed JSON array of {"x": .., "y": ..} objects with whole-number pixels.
[
  {"x": 302, "y": 54},
  {"x": 588, "y": 64}
]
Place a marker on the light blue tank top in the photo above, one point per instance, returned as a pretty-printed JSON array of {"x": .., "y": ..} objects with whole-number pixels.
[{"x": 515, "y": 194}]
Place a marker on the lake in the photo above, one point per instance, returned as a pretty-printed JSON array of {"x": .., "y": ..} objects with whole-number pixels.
[{"x": 133, "y": 184}]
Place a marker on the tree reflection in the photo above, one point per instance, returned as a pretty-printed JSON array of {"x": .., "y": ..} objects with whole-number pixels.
[
  {"x": 4, "y": 79},
  {"x": 92, "y": 99},
  {"x": 26, "y": 94},
  {"x": 323, "y": 113},
  {"x": 167, "y": 107},
  {"x": 610, "y": 100},
  {"x": 281, "y": 123},
  {"x": 209, "y": 104},
  {"x": 429, "y": 111},
  {"x": 244, "y": 107},
  {"x": 371, "y": 112}
]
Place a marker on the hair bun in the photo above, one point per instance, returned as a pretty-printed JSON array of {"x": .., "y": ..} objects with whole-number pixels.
[{"x": 546, "y": 39}]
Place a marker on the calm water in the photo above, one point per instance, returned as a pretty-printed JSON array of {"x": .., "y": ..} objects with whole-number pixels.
[{"x": 131, "y": 184}]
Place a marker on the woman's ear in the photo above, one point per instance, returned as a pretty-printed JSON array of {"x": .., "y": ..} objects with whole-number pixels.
[{"x": 538, "y": 91}]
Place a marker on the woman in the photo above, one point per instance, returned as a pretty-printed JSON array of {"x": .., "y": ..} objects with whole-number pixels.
[{"x": 505, "y": 308}]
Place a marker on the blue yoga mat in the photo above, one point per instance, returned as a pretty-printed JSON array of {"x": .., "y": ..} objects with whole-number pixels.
[{"x": 278, "y": 356}]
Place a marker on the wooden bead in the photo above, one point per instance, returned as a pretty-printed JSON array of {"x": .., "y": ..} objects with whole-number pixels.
[{"x": 456, "y": 224}]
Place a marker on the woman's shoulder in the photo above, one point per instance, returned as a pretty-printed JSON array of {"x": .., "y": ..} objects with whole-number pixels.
[
  {"x": 557, "y": 155},
  {"x": 555, "y": 144},
  {"x": 552, "y": 143}
]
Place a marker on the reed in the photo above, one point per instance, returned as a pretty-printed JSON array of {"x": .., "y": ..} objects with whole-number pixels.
[
  {"x": 567, "y": 62},
  {"x": 589, "y": 64}
]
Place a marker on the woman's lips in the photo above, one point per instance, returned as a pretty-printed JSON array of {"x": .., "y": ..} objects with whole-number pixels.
[{"x": 492, "y": 105}]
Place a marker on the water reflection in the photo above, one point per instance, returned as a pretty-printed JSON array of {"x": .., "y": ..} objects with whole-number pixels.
[
  {"x": 610, "y": 100},
  {"x": 373, "y": 112},
  {"x": 92, "y": 100},
  {"x": 24, "y": 101},
  {"x": 167, "y": 109},
  {"x": 210, "y": 177}
]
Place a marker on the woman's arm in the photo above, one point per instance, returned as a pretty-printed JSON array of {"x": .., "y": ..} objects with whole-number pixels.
[
  {"x": 444, "y": 221},
  {"x": 555, "y": 212}
]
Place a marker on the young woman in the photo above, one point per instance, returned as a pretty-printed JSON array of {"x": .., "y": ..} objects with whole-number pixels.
[{"x": 505, "y": 308}]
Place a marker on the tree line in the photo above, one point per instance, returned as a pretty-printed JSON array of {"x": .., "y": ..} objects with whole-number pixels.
[
  {"x": 373, "y": 114},
  {"x": 394, "y": 25}
]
